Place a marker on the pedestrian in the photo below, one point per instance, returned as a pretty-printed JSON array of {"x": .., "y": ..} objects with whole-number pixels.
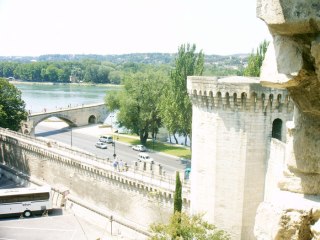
[
  {"x": 120, "y": 165},
  {"x": 115, "y": 164}
]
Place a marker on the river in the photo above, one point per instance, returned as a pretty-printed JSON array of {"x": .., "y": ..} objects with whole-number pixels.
[
  {"x": 48, "y": 96},
  {"x": 54, "y": 96}
]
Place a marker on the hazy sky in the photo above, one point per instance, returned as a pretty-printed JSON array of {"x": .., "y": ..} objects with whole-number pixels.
[{"x": 36, "y": 27}]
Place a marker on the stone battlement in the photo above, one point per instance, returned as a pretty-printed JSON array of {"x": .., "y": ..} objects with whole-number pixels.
[{"x": 237, "y": 94}]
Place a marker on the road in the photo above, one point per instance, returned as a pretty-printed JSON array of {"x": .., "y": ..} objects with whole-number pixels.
[{"x": 122, "y": 150}]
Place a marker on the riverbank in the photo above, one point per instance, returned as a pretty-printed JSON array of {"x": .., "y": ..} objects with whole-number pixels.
[{"x": 65, "y": 84}]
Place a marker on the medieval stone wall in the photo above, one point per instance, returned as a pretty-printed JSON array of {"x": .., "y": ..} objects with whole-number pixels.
[
  {"x": 140, "y": 200},
  {"x": 293, "y": 62}
]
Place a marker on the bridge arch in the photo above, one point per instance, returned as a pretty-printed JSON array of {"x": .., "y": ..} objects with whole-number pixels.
[
  {"x": 92, "y": 119},
  {"x": 61, "y": 117}
]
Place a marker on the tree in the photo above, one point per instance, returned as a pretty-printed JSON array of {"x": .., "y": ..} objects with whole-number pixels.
[
  {"x": 115, "y": 77},
  {"x": 176, "y": 107},
  {"x": 177, "y": 205},
  {"x": 184, "y": 227},
  {"x": 12, "y": 107},
  {"x": 51, "y": 73},
  {"x": 138, "y": 103},
  {"x": 255, "y": 60}
]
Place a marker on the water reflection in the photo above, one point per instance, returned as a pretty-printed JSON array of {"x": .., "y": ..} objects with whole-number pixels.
[{"x": 50, "y": 97}]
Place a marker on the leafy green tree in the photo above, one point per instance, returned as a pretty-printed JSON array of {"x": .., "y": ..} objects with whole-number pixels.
[
  {"x": 91, "y": 73},
  {"x": 177, "y": 204},
  {"x": 138, "y": 103},
  {"x": 8, "y": 69},
  {"x": 115, "y": 77},
  {"x": 77, "y": 73},
  {"x": 176, "y": 107},
  {"x": 51, "y": 73},
  {"x": 12, "y": 107},
  {"x": 184, "y": 227},
  {"x": 255, "y": 60}
]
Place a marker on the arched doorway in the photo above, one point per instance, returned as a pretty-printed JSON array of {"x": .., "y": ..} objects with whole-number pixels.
[
  {"x": 92, "y": 119},
  {"x": 277, "y": 129}
]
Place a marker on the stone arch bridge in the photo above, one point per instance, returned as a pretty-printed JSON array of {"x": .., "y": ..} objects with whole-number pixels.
[{"x": 74, "y": 116}]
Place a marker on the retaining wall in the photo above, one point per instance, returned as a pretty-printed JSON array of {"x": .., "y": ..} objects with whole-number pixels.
[{"x": 137, "y": 199}]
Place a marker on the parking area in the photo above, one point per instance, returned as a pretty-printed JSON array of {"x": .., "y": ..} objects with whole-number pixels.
[
  {"x": 72, "y": 223},
  {"x": 57, "y": 225}
]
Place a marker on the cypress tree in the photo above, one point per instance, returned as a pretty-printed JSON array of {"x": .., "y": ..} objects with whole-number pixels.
[
  {"x": 178, "y": 195},
  {"x": 255, "y": 60}
]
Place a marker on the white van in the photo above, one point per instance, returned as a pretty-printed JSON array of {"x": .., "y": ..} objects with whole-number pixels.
[
  {"x": 144, "y": 157},
  {"x": 106, "y": 139}
]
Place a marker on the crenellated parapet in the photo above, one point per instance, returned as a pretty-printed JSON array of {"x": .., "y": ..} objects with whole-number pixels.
[{"x": 237, "y": 94}]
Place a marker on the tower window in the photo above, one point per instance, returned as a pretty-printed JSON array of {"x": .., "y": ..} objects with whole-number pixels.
[{"x": 277, "y": 128}]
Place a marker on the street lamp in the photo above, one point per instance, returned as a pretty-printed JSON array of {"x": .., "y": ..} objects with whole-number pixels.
[
  {"x": 153, "y": 140},
  {"x": 111, "y": 117},
  {"x": 71, "y": 135},
  {"x": 114, "y": 143},
  {"x": 114, "y": 149}
]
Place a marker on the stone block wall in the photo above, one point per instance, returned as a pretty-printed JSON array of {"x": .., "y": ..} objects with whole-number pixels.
[
  {"x": 293, "y": 61},
  {"x": 138, "y": 201},
  {"x": 274, "y": 168}
]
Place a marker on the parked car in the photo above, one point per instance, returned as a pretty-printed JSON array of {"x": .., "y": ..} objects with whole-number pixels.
[
  {"x": 144, "y": 157},
  {"x": 106, "y": 139},
  {"x": 139, "y": 148},
  {"x": 101, "y": 145}
]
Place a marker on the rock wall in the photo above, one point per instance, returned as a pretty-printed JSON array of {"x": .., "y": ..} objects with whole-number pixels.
[{"x": 293, "y": 62}]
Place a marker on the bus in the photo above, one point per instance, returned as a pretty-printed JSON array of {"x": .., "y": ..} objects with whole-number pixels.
[{"x": 25, "y": 201}]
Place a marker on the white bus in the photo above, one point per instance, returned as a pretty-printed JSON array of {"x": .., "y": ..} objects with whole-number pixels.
[{"x": 25, "y": 200}]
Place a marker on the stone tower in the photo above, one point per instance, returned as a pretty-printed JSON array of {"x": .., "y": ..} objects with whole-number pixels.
[{"x": 233, "y": 122}]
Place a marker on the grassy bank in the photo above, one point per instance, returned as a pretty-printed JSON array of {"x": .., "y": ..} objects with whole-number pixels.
[{"x": 175, "y": 150}]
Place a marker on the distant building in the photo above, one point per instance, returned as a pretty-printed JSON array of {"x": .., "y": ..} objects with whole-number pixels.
[{"x": 73, "y": 79}]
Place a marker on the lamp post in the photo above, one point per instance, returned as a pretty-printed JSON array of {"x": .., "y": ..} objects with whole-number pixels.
[
  {"x": 153, "y": 140},
  {"x": 71, "y": 135},
  {"x": 111, "y": 219},
  {"x": 114, "y": 149},
  {"x": 111, "y": 117}
]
